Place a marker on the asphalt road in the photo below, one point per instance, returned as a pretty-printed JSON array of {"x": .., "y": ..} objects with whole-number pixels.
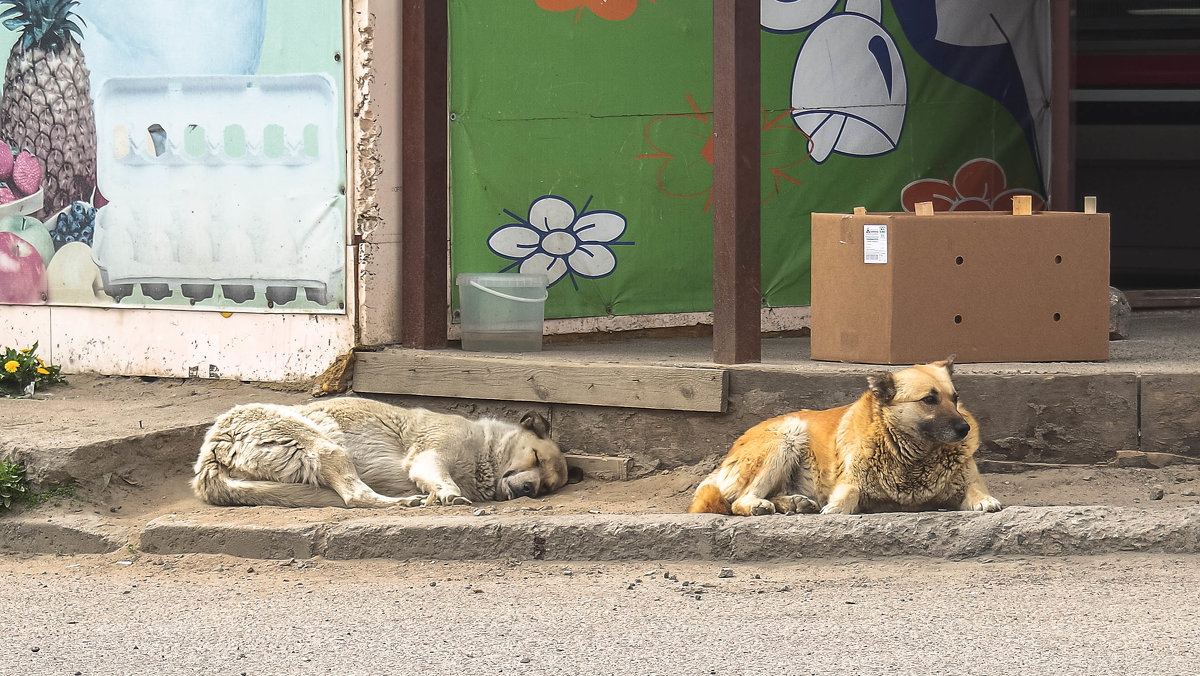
[{"x": 137, "y": 614}]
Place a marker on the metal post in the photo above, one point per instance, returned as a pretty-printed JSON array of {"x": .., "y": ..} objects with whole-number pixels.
[
  {"x": 737, "y": 120},
  {"x": 425, "y": 191}
]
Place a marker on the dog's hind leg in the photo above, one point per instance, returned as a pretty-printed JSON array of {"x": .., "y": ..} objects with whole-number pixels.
[
  {"x": 262, "y": 454},
  {"x": 336, "y": 470},
  {"x": 784, "y": 456}
]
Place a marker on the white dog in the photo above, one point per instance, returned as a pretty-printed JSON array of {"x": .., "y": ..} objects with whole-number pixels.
[{"x": 356, "y": 452}]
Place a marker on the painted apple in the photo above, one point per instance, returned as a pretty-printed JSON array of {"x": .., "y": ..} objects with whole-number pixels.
[
  {"x": 31, "y": 230},
  {"x": 22, "y": 273}
]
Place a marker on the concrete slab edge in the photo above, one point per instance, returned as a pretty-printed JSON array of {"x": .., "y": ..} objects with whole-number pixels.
[
  {"x": 1025, "y": 531},
  {"x": 69, "y": 535}
]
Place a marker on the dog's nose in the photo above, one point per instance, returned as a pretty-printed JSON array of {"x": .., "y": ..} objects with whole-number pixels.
[
  {"x": 527, "y": 489},
  {"x": 961, "y": 428}
]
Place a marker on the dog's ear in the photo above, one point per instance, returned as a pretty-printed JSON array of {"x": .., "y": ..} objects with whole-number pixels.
[
  {"x": 534, "y": 422},
  {"x": 883, "y": 386},
  {"x": 947, "y": 363},
  {"x": 574, "y": 474}
]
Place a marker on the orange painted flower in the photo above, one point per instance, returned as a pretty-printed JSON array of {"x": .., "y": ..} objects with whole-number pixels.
[
  {"x": 684, "y": 143},
  {"x": 979, "y": 185},
  {"x": 612, "y": 10}
]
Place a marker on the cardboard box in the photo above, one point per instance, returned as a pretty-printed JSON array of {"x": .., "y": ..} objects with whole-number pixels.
[{"x": 897, "y": 288}]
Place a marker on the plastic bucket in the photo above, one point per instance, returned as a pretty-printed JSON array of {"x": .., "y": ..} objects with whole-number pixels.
[{"x": 502, "y": 312}]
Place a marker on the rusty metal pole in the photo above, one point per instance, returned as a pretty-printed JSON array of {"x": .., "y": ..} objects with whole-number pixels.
[
  {"x": 424, "y": 237},
  {"x": 1062, "y": 109},
  {"x": 737, "y": 120}
]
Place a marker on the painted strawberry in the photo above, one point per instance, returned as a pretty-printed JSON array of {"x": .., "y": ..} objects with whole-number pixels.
[
  {"x": 6, "y": 161},
  {"x": 6, "y": 195},
  {"x": 26, "y": 173}
]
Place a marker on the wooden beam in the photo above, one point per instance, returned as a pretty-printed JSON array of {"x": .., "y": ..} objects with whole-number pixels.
[
  {"x": 445, "y": 373},
  {"x": 737, "y": 119},
  {"x": 425, "y": 192},
  {"x": 1062, "y": 109}
]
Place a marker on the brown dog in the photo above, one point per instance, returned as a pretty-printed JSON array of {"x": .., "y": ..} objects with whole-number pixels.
[{"x": 905, "y": 445}]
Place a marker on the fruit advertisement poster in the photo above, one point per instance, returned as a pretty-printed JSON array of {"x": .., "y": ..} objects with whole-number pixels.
[
  {"x": 581, "y": 134},
  {"x": 174, "y": 154}
]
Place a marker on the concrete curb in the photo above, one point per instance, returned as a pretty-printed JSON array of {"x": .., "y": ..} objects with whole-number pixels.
[
  {"x": 1027, "y": 531},
  {"x": 74, "y": 534}
]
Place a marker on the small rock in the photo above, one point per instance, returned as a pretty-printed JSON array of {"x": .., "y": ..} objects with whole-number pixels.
[
  {"x": 1120, "y": 314},
  {"x": 1157, "y": 494},
  {"x": 480, "y": 512},
  {"x": 725, "y": 572},
  {"x": 1088, "y": 478},
  {"x": 1189, "y": 493},
  {"x": 526, "y": 660},
  {"x": 35, "y": 649},
  {"x": 250, "y": 569},
  {"x": 632, "y": 586}
]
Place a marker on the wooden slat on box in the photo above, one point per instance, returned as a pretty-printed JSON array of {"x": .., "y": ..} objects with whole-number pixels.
[{"x": 448, "y": 374}]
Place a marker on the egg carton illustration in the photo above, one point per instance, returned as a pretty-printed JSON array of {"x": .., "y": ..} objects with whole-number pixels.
[{"x": 229, "y": 183}]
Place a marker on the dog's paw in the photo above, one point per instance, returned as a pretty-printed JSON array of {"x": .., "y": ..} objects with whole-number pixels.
[
  {"x": 800, "y": 504},
  {"x": 752, "y": 506},
  {"x": 987, "y": 504},
  {"x": 446, "y": 497},
  {"x": 411, "y": 501},
  {"x": 837, "y": 508}
]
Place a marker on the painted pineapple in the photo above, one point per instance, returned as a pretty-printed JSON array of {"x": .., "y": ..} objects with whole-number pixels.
[{"x": 46, "y": 106}]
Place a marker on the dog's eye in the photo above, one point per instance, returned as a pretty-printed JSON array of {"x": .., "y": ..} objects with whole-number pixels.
[{"x": 930, "y": 399}]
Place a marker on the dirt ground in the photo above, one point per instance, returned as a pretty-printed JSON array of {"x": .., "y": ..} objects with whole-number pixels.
[
  {"x": 97, "y": 407},
  {"x": 661, "y": 493}
]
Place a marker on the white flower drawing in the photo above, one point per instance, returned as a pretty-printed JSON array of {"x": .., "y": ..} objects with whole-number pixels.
[{"x": 556, "y": 242}]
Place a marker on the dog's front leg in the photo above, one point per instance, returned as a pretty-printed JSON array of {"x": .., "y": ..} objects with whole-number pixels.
[
  {"x": 431, "y": 475},
  {"x": 977, "y": 497},
  {"x": 843, "y": 499}
]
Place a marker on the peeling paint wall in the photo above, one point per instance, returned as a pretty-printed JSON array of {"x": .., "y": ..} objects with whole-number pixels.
[{"x": 375, "y": 165}]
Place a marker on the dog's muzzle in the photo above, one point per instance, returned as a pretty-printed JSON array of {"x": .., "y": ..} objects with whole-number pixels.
[
  {"x": 519, "y": 485},
  {"x": 961, "y": 429}
]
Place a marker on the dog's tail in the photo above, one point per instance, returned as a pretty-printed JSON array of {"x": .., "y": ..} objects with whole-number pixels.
[
  {"x": 709, "y": 500},
  {"x": 214, "y": 484}
]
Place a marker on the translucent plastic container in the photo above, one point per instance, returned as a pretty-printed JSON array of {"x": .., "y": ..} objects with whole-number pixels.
[{"x": 502, "y": 312}]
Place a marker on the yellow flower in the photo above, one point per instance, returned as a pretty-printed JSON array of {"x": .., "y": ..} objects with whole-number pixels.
[
  {"x": 27, "y": 350},
  {"x": 39, "y": 361},
  {"x": 11, "y": 366},
  {"x": 43, "y": 371}
]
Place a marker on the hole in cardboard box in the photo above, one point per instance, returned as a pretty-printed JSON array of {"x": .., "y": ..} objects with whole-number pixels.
[
  {"x": 958, "y": 261},
  {"x": 1057, "y": 316},
  {"x": 1057, "y": 259},
  {"x": 958, "y": 319},
  {"x": 235, "y": 140}
]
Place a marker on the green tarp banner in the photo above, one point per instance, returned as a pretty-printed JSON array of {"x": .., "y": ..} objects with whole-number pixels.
[{"x": 581, "y": 130}]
